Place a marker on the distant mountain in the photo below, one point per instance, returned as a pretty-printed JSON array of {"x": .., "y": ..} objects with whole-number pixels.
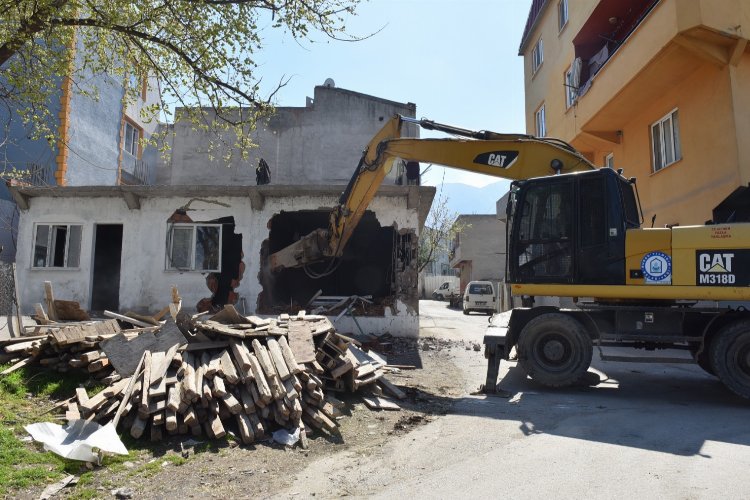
[{"x": 465, "y": 199}]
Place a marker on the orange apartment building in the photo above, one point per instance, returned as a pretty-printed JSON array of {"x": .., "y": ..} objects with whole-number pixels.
[{"x": 660, "y": 88}]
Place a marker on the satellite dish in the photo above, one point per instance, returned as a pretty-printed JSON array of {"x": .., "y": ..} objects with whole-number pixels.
[{"x": 329, "y": 83}]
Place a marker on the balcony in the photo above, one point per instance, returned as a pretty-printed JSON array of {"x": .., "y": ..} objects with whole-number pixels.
[
  {"x": 30, "y": 174},
  {"x": 135, "y": 171},
  {"x": 633, "y": 52}
]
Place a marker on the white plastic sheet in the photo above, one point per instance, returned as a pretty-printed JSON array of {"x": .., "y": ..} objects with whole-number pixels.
[
  {"x": 77, "y": 440},
  {"x": 283, "y": 436}
]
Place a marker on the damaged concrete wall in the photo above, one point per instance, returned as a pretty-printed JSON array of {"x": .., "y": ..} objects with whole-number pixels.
[
  {"x": 317, "y": 144},
  {"x": 145, "y": 280}
]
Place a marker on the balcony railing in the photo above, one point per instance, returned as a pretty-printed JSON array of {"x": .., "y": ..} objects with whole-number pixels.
[
  {"x": 135, "y": 171},
  {"x": 608, "y": 27},
  {"x": 33, "y": 174}
]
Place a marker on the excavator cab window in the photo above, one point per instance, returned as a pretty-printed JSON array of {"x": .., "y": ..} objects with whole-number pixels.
[{"x": 544, "y": 239}]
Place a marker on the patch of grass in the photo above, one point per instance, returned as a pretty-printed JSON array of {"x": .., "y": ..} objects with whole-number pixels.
[
  {"x": 84, "y": 493},
  {"x": 24, "y": 396}
]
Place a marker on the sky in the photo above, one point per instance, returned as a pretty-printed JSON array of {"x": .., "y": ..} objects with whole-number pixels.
[{"x": 457, "y": 60}]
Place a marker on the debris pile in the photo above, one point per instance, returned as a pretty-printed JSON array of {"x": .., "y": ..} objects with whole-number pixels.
[{"x": 205, "y": 375}]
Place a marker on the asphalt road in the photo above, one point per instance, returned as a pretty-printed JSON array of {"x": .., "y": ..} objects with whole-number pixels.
[{"x": 646, "y": 431}]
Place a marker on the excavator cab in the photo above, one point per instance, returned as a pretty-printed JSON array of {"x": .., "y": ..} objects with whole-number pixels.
[{"x": 570, "y": 228}]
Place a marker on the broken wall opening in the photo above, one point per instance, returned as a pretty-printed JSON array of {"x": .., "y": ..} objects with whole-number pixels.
[
  {"x": 369, "y": 266},
  {"x": 207, "y": 246}
]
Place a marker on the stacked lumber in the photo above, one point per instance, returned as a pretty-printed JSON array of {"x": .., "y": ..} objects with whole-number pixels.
[
  {"x": 66, "y": 346},
  {"x": 249, "y": 375}
]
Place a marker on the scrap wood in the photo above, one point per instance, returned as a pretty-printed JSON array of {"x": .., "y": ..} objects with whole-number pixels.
[
  {"x": 379, "y": 403},
  {"x": 229, "y": 315},
  {"x": 20, "y": 364},
  {"x": 390, "y": 387},
  {"x": 70, "y": 310},
  {"x": 122, "y": 317},
  {"x": 300, "y": 341},
  {"x": 123, "y": 352},
  {"x": 49, "y": 298},
  {"x": 143, "y": 317}
]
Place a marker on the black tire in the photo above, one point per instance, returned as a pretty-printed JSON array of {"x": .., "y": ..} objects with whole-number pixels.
[
  {"x": 466, "y": 312},
  {"x": 555, "y": 350},
  {"x": 730, "y": 357},
  {"x": 435, "y": 296}
]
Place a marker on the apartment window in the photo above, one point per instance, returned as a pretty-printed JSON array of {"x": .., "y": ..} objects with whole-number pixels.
[
  {"x": 562, "y": 14},
  {"x": 194, "y": 247},
  {"x": 57, "y": 245},
  {"x": 665, "y": 141},
  {"x": 571, "y": 92},
  {"x": 537, "y": 56},
  {"x": 609, "y": 160},
  {"x": 541, "y": 122},
  {"x": 132, "y": 138}
]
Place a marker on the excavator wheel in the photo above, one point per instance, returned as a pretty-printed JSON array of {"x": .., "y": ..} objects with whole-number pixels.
[
  {"x": 555, "y": 350},
  {"x": 730, "y": 357},
  {"x": 704, "y": 359}
]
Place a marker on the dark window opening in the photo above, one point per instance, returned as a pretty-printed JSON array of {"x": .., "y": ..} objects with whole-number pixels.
[
  {"x": 105, "y": 288},
  {"x": 366, "y": 267}
]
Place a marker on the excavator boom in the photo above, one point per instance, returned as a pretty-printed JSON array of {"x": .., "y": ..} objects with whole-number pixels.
[{"x": 507, "y": 156}]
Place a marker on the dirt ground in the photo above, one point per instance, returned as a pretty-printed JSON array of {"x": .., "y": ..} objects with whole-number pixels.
[{"x": 225, "y": 469}]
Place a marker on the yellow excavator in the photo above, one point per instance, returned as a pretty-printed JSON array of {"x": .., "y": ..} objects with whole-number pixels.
[{"x": 574, "y": 230}]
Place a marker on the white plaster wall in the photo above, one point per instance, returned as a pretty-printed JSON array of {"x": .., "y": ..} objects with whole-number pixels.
[{"x": 144, "y": 283}]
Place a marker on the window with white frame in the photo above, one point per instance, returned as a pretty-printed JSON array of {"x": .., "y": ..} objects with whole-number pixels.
[
  {"x": 57, "y": 245},
  {"x": 562, "y": 14},
  {"x": 537, "y": 56},
  {"x": 194, "y": 247},
  {"x": 571, "y": 92},
  {"x": 132, "y": 136},
  {"x": 665, "y": 141},
  {"x": 541, "y": 122},
  {"x": 609, "y": 160}
]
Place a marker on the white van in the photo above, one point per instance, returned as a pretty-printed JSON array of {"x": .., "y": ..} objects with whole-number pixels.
[
  {"x": 479, "y": 296},
  {"x": 445, "y": 291}
]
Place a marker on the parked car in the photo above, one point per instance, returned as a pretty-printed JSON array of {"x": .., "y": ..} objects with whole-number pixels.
[
  {"x": 445, "y": 291},
  {"x": 479, "y": 296}
]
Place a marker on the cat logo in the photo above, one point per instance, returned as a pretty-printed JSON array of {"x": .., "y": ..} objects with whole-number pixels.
[
  {"x": 500, "y": 159},
  {"x": 715, "y": 268}
]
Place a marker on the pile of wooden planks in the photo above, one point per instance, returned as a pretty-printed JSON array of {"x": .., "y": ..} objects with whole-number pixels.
[
  {"x": 248, "y": 374},
  {"x": 64, "y": 347}
]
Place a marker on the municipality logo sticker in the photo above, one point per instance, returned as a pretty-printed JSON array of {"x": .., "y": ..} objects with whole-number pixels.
[{"x": 657, "y": 268}]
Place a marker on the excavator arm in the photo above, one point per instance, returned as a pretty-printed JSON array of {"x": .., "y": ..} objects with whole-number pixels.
[{"x": 508, "y": 156}]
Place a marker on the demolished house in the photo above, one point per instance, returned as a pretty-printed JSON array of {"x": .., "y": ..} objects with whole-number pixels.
[{"x": 209, "y": 229}]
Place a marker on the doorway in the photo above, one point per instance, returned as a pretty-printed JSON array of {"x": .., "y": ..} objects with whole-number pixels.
[{"x": 105, "y": 289}]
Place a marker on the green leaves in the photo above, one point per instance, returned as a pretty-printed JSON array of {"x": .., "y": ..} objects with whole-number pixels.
[{"x": 199, "y": 51}]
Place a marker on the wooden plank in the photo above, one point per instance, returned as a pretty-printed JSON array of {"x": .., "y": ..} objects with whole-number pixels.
[
  {"x": 49, "y": 299},
  {"x": 130, "y": 320},
  {"x": 278, "y": 359},
  {"x": 216, "y": 327},
  {"x": 41, "y": 315},
  {"x": 20, "y": 364},
  {"x": 123, "y": 352},
  {"x": 389, "y": 387},
  {"x": 128, "y": 392},
  {"x": 241, "y": 354},
  {"x": 147, "y": 356},
  {"x": 219, "y": 389},
  {"x": 246, "y": 428},
  {"x": 268, "y": 368},
  {"x": 260, "y": 380},
  {"x": 227, "y": 368},
  {"x": 378, "y": 403},
  {"x": 301, "y": 342},
  {"x": 202, "y": 346},
  {"x": 229, "y": 316},
  {"x": 160, "y": 363},
  {"x": 286, "y": 351}
]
